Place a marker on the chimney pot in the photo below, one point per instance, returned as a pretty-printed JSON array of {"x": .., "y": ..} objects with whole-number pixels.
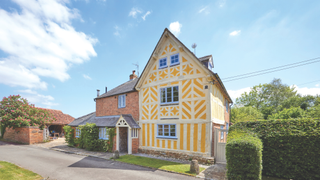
[
  {"x": 98, "y": 92},
  {"x": 106, "y": 89}
]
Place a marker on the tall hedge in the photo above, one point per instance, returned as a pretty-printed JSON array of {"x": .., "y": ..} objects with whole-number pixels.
[
  {"x": 291, "y": 148},
  {"x": 244, "y": 156}
]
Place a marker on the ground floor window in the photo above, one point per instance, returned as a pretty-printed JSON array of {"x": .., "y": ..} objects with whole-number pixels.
[
  {"x": 78, "y": 132},
  {"x": 167, "y": 130},
  {"x": 103, "y": 133},
  {"x": 134, "y": 133},
  {"x": 221, "y": 127}
]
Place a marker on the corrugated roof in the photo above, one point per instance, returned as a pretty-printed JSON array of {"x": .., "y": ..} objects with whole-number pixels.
[{"x": 123, "y": 88}]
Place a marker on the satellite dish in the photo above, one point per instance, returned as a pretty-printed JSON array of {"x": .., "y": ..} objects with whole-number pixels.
[{"x": 194, "y": 45}]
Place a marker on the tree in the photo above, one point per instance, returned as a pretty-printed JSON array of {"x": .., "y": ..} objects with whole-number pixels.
[
  {"x": 17, "y": 112},
  {"x": 267, "y": 98},
  {"x": 291, "y": 113},
  {"x": 314, "y": 112},
  {"x": 304, "y": 102},
  {"x": 245, "y": 113}
]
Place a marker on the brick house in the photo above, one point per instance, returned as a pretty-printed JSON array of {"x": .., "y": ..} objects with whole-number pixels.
[
  {"x": 181, "y": 102},
  {"x": 117, "y": 108}
]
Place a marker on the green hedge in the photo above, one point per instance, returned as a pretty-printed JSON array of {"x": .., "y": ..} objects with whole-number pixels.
[
  {"x": 291, "y": 148},
  {"x": 244, "y": 156},
  {"x": 89, "y": 138}
]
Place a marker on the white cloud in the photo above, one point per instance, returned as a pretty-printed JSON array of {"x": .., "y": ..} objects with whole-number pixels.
[
  {"x": 117, "y": 32},
  {"x": 38, "y": 99},
  {"x": 235, "y": 33},
  {"x": 234, "y": 94},
  {"x": 317, "y": 85},
  {"x": 87, "y": 77},
  {"x": 307, "y": 91},
  {"x": 222, "y": 3},
  {"x": 204, "y": 10},
  {"x": 145, "y": 15},
  {"x": 175, "y": 28},
  {"x": 40, "y": 41},
  {"x": 134, "y": 12}
]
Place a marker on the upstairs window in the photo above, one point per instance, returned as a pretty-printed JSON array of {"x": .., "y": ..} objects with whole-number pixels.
[
  {"x": 174, "y": 59},
  {"x": 163, "y": 63},
  {"x": 122, "y": 101},
  {"x": 78, "y": 132},
  {"x": 221, "y": 136},
  {"x": 169, "y": 95},
  {"x": 167, "y": 130},
  {"x": 103, "y": 134},
  {"x": 227, "y": 105},
  {"x": 210, "y": 66}
]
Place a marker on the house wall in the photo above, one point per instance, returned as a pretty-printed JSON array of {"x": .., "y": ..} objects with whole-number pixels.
[
  {"x": 25, "y": 135},
  {"x": 192, "y": 115},
  {"x": 135, "y": 145},
  {"x": 108, "y": 106}
]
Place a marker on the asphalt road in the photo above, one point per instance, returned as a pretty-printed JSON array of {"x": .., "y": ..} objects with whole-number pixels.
[{"x": 61, "y": 166}]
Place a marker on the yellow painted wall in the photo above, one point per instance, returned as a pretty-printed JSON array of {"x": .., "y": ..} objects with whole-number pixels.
[
  {"x": 191, "y": 115},
  {"x": 217, "y": 103}
]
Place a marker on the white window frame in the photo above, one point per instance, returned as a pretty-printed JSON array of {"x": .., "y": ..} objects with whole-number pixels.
[
  {"x": 166, "y": 95},
  {"x": 134, "y": 133},
  {"x": 174, "y": 63},
  {"x": 221, "y": 127},
  {"x": 163, "y": 136},
  {"x": 163, "y": 66},
  {"x": 78, "y": 132},
  {"x": 122, "y": 101},
  {"x": 103, "y": 133},
  {"x": 210, "y": 65}
]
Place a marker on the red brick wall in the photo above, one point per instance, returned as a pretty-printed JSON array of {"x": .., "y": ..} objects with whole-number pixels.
[
  {"x": 25, "y": 135},
  {"x": 135, "y": 145},
  {"x": 109, "y": 106}
]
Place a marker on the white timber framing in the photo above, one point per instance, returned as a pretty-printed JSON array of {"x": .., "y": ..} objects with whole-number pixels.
[{"x": 123, "y": 123}]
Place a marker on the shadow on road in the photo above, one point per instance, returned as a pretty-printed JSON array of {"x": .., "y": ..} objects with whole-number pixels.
[{"x": 92, "y": 162}]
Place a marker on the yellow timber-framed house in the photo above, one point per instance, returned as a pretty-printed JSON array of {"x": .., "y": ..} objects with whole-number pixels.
[{"x": 182, "y": 102}]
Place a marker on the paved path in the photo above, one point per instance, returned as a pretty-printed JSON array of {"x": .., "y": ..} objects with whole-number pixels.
[{"x": 60, "y": 166}]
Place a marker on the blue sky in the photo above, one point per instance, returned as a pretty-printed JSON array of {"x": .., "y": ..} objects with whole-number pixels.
[{"x": 57, "y": 53}]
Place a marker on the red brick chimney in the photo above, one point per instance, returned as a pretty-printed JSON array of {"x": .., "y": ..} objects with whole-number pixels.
[{"x": 133, "y": 75}]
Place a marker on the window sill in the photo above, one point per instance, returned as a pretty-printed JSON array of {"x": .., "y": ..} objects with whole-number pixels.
[
  {"x": 121, "y": 107},
  {"x": 103, "y": 139},
  {"x": 163, "y": 137},
  {"x": 163, "y": 67},
  {"x": 175, "y": 64},
  {"x": 170, "y": 104}
]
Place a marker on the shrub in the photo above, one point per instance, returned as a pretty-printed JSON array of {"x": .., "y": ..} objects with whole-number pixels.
[
  {"x": 244, "y": 155},
  {"x": 69, "y": 135},
  {"x": 290, "y": 147}
]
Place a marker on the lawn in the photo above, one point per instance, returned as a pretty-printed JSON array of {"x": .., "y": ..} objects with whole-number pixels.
[
  {"x": 157, "y": 164},
  {"x": 10, "y": 171}
]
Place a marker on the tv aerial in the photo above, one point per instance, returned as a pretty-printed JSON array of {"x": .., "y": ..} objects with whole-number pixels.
[{"x": 194, "y": 45}]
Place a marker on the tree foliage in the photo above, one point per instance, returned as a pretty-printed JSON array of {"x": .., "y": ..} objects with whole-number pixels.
[
  {"x": 16, "y": 111},
  {"x": 245, "y": 113}
]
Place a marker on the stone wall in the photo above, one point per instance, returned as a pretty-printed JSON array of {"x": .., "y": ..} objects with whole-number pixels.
[
  {"x": 25, "y": 135},
  {"x": 108, "y": 106},
  {"x": 182, "y": 156}
]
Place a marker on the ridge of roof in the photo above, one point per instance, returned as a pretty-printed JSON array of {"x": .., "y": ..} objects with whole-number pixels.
[
  {"x": 122, "y": 88},
  {"x": 212, "y": 73}
]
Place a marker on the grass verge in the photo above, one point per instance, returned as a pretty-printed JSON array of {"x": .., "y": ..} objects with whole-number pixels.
[
  {"x": 157, "y": 164},
  {"x": 10, "y": 171}
]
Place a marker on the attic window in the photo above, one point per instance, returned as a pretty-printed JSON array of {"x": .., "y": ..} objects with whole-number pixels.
[
  {"x": 174, "y": 59},
  {"x": 210, "y": 66},
  {"x": 163, "y": 63}
]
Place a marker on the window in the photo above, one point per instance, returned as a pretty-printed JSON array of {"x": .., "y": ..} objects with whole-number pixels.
[
  {"x": 103, "y": 134},
  {"x": 221, "y": 127},
  {"x": 169, "y": 95},
  {"x": 227, "y": 105},
  {"x": 122, "y": 101},
  {"x": 210, "y": 66},
  {"x": 163, "y": 63},
  {"x": 78, "y": 132},
  {"x": 167, "y": 130},
  {"x": 134, "y": 133},
  {"x": 174, "y": 59},
  {"x": 227, "y": 127}
]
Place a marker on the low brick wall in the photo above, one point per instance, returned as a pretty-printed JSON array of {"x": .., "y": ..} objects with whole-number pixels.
[
  {"x": 135, "y": 145},
  {"x": 25, "y": 135},
  {"x": 182, "y": 156}
]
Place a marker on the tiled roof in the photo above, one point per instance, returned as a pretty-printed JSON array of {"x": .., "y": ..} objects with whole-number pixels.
[
  {"x": 104, "y": 121},
  {"x": 61, "y": 118},
  {"x": 123, "y": 88}
]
